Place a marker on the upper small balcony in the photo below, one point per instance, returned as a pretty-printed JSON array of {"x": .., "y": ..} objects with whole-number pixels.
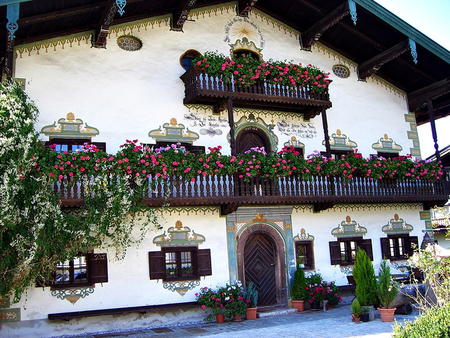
[{"x": 202, "y": 88}]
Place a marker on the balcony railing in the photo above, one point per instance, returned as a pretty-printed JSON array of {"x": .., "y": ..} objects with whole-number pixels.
[
  {"x": 201, "y": 88},
  {"x": 230, "y": 191}
]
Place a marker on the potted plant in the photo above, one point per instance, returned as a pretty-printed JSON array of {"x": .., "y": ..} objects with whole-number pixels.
[
  {"x": 207, "y": 297},
  {"x": 235, "y": 308},
  {"x": 332, "y": 295},
  {"x": 298, "y": 290},
  {"x": 387, "y": 291},
  {"x": 366, "y": 284},
  {"x": 365, "y": 313},
  {"x": 250, "y": 295},
  {"x": 315, "y": 294},
  {"x": 356, "y": 310}
]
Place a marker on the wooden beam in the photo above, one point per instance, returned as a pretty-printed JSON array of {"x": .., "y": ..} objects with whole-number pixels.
[
  {"x": 315, "y": 31},
  {"x": 245, "y": 6},
  {"x": 372, "y": 65},
  {"x": 419, "y": 98},
  {"x": 102, "y": 30},
  {"x": 181, "y": 14}
]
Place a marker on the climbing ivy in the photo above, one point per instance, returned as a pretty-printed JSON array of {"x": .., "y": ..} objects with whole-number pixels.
[{"x": 35, "y": 231}]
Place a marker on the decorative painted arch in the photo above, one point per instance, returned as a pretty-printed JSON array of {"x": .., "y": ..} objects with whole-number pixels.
[
  {"x": 397, "y": 226},
  {"x": 251, "y": 124},
  {"x": 348, "y": 228}
]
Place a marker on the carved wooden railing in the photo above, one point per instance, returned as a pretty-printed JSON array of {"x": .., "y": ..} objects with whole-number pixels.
[
  {"x": 230, "y": 189},
  {"x": 203, "y": 88}
]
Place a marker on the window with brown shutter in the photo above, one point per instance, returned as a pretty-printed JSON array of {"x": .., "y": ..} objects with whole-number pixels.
[
  {"x": 343, "y": 251},
  {"x": 398, "y": 247},
  {"x": 179, "y": 263},
  {"x": 82, "y": 270},
  {"x": 305, "y": 254}
]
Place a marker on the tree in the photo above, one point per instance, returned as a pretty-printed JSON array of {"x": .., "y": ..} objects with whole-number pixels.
[{"x": 364, "y": 275}]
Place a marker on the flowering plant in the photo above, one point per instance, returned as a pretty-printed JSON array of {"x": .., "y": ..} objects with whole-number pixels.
[
  {"x": 332, "y": 293},
  {"x": 244, "y": 70},
  {"x": 315, "y": 293},
  {"x": 213, "y": 299}
]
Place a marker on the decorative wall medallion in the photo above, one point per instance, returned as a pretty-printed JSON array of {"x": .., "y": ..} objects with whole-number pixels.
[
  {"x": 72, "y": 295},
  {"x": 129, "y": 43},
  {"x": 69, "y": 127},
  {"x": 339, "y": 141},
  {"x": 179, "y": 236},
  {"x": 341, "y": 71},
  {"x": 349, "y": 228},
  {"x": 387, "y": 145},
  {"x": 303, "y": 236},
  {"x": 240, "y": 28},
  {"x": 173, "y": 132},
  {"x": 181, "y": 287},
  {"x": 397, "y": 226},
  {"x": 293, "y": 142}
]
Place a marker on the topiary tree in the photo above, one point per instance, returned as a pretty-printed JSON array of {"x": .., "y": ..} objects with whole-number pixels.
[
  {"x": 386, "y": 289},
  {"x": 364, "y": 275},
  {"x": 298, "y": 285}
]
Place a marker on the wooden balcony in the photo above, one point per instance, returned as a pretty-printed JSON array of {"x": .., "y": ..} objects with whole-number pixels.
[
  {"x": 229, "y": 192},
  {"x": 201, "y": 88}
]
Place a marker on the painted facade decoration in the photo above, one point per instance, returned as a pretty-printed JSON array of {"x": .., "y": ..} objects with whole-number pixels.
[
  {"x": 387, "y": 145},
  {"x": 339, "y": 141},
  {"x": 69, "y": 127},
  {"x": 397, "y": 226},
  {"x": 293, "y": 142},
  {"x": 179, "y": 236},
  {"x": 303, "y": 236},
  {"x": 250, "y": 122},
  {"x": 173, "y": 132},
  {"x": 73, "y": 294},
  {"x": 349, "y": 228},
  {"x": 242, "y": 34}
]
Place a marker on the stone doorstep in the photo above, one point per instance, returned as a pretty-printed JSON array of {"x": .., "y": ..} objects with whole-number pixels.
[{"x": 275, "y": 312}]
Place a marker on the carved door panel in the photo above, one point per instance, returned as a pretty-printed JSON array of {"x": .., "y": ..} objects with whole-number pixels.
[
  {"x": 259, "y": 262},
  {"x": 248, "y": 139}
]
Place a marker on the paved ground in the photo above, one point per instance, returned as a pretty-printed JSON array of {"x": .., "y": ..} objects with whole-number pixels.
[{"x": 332, "y": 323}]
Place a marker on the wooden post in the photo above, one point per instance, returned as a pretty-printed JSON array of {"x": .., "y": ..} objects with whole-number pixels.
[
  {"x": 433, "y": 128},
  {"x": 325, "y": 132},
  {"x": 231, "y": 124}
]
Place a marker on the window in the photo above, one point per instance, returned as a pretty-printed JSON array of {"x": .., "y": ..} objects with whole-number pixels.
[
  {"x": 82, "y": 270},
  {"x": 343, "y": 251},
  {"x": 397, "y": 247},
  {"x": 341, "y": 71},
  {"x": 187, "y": 57},
  {"x": 387, "y": 155},
  {"x": 180, "y": 263},
  {"x": 336, "y": 154},
  {"x": 63, "y": 144},
  {"x": 305, "y": 254}
]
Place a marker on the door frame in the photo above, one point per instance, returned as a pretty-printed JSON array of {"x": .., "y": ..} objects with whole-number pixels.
[{"x": 280, "y": 258}]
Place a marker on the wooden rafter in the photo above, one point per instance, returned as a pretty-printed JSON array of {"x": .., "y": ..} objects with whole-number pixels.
[
  {"x": 245, "y": 6},
  {"x": 419, "y": 98},
  {"x": 315, "y": 31},
  {"x": 102, "y": 30},
  {"x": 181, "y": 14},
  {"x": 372, "y": 65}
]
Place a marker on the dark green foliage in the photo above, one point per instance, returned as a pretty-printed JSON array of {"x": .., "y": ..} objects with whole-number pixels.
[
  {"x": 298, "y": 291},
  {"x": 250, "y": 295},
  {"x": 386, "y": 289},
  {"x": 434, "y": 322},
  {"x": 364, "y": 275}
]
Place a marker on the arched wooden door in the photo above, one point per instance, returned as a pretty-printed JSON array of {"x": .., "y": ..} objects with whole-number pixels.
[
  {"x": 254, "y": 138},
  {"x": 259, "y": 262}
]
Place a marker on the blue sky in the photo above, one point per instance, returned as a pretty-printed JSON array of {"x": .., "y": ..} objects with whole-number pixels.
[{"x": 432, "y": 18}]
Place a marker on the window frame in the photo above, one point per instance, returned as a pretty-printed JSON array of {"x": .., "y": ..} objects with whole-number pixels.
[
  {"x": 336, "y": 252},
  {"x": 309, "y": 253},
  {"x": 179, "y": 262},
  {"x": 69, "y": 142},
  {"x": 201, "y": 263},
  {"x": 406, "y": 248},
  {"x": 96, "y": 269}
]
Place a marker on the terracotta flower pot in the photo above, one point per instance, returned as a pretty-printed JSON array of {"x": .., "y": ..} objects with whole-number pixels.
[
  {"x": 250, "y": 313},
  {"x": 299, "y": 305},
  {"x": 220, "y": 318},
  {"x": 237, "y": 318},
  {"x": 356, "y": 318},
  {"x": 387, "y": 315}
]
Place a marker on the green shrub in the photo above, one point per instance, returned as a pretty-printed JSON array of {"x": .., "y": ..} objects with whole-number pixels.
[
  {"x": 299, "y": 284},
  {"x": 356, "y": 307},
  {"x": 387, "y": 289},
  {"x": 435, "y": 322},
  {"x": 364, "y": 275}
]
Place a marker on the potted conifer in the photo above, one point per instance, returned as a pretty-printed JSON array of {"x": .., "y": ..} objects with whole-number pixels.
[
  {"x": 356, "y": 311},
  {"x": 250, "y": 295},
  {"x": 298, "y": 291},
  {"x": 366, "y": 283},
  {"x": 387, "y": 291}
]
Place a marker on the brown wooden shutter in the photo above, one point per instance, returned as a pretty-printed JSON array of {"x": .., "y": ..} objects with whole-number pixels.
[
  {"x": 385, "y": 248},
  {"x": 204, "y": 262},
  {"x": 98, "y": 267},
  {"x": 157, "y": 264},
  {"x": 335, "y": 253},
  {"x": 366, "y": 245},
  {"x": 310, "y": 255},
  {"x": 413, "y": 244}
]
